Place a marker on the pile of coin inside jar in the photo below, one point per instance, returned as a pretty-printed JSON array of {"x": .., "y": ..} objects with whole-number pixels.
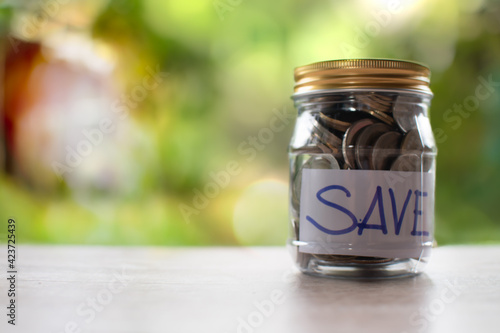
[
  {"x": 363, "y": 131},
  {"x": 382, "y": 132}
]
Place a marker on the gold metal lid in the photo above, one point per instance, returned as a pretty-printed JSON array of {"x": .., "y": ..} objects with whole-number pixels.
[{"x": 362, "y": 74}]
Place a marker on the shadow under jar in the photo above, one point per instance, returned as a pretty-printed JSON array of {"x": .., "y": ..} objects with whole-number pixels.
[{"x": 362, "y": 169}]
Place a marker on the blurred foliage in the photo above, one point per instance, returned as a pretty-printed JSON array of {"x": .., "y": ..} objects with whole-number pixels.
[{"x": 229, "y": 65}]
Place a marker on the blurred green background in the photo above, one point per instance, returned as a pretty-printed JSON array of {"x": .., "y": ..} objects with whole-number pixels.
[{"x": 138, "y": 122}]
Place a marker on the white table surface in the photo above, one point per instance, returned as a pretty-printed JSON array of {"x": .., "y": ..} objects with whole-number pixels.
[{"x": 246, "y": 290}]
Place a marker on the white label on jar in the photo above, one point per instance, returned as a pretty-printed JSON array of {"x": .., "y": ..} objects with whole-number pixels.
[{"x": 366, "y": 213}]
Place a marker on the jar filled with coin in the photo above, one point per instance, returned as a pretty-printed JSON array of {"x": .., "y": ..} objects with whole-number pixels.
[{"x": 362, "y": 169}]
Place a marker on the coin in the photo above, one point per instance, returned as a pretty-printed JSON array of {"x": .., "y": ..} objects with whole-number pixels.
[
  {"x": 405, "y": 113},
  {"x": 385, "y": 150},
  {"x": 349, "y": 139},
  {"x": 321, "y": 162},
  {"x": 383, "y": 99},
  {"x": 309, "y": 149},
  {"x": 407, "y": 162},
  {"x": 327, "y": 137},
  {"x": 324, "y": 148},
  {"x": 412, "y": 142},
  {"x": 380, "y": 116},
  {"x": 342, "y": 259},
  {"x": 377, "y": 102},
  {"x": 371, "y": 260},
  {"x": 334, "y": 123},
  {"x": 365, "y": 141}
]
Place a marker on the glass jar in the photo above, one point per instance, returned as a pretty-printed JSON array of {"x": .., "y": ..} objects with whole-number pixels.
[{"x": 362, "y": 169}]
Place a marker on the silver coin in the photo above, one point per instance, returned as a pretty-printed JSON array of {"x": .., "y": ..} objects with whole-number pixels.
[
  {"x": 428, "y": 162},
  {"x": 385, "y": 150},
  {"x": 412, "y": 142},
  {"x": 407, "y": 162},
  {"x": 321, "y": 162},
  {"x": 350, "y": 138},
  {"x": 365, "y": 141},
  {"x": 405, "y": 113}
]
